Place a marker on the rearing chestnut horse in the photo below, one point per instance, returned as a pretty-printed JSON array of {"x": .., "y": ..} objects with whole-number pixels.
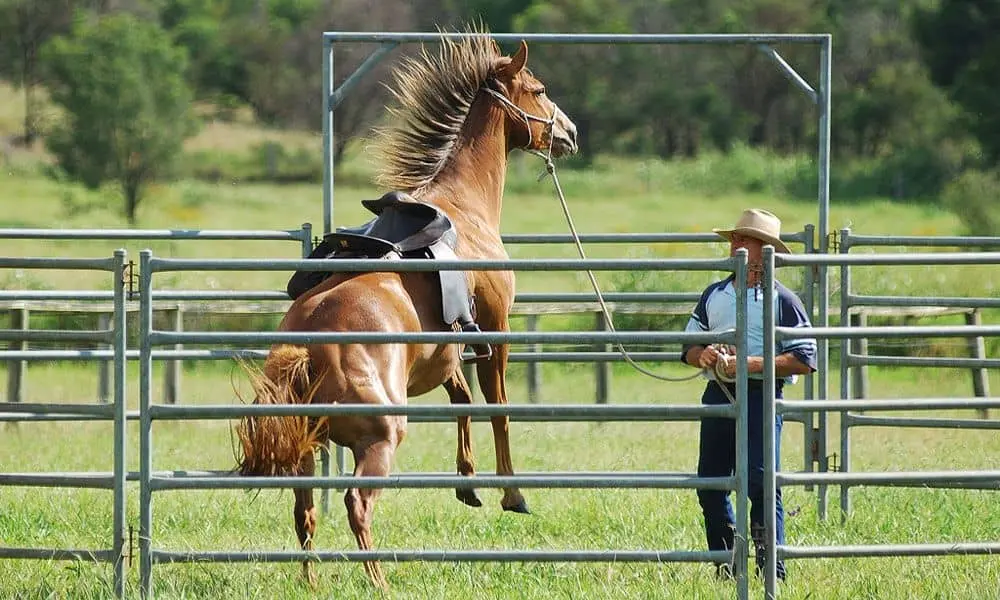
[{"x": 459, "y": 113}]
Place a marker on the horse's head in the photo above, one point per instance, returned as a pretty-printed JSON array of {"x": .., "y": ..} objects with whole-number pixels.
[{"x": 537, "y": 123}]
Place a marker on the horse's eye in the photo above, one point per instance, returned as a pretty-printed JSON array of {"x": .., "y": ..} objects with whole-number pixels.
[{"x": 540, "y": 92}]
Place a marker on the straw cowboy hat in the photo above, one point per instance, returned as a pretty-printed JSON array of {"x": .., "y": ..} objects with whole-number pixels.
[{"x": 759, "y": 224}]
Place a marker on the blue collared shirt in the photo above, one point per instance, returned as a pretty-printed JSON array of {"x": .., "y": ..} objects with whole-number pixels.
[{"x": 716, "y": 311}]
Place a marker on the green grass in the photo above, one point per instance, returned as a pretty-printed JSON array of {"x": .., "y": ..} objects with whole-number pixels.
[
  {"x": 613, "y": 195},
  {"x": 561, "y": 519}
]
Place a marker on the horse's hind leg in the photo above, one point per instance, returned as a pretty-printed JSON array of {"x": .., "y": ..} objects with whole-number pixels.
[
  {"x": 374, "y": 460},
  {"x": 459, "y": 393},
  {"x": 491, "y": 378},
  {"x": 305, "y": 518}
]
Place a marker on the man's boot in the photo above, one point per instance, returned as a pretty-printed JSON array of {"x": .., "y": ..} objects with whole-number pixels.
[{"x": 760, "y": 552}]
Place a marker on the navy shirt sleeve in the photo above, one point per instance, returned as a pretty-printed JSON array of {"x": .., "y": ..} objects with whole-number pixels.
[{"x": 792, "y": 314}]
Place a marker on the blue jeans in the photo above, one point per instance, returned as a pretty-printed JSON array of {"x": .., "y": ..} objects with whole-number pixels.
[{"x": 717, "y": 458}]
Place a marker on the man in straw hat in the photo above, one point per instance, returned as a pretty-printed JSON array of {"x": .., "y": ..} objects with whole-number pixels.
[{"x": 716, "y": 311}]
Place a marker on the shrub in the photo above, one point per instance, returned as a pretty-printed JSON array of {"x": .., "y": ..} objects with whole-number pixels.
[{"x": 975, "y": 197}]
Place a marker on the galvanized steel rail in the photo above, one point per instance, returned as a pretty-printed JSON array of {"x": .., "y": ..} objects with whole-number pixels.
[
  {"x": 115, "y": 412},
  {"x": 151, "y": 482},
  {"x": 856, "y": 359},
  {"x": 984, "y": 479}
]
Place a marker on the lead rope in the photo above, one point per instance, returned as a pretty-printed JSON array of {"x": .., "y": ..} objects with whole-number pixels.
[{"x": 550, "y": 170}]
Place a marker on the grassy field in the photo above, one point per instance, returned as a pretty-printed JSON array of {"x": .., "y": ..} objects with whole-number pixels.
[
  {"x": 561, "y": 519},
  {"x": 613, "y": 195}
]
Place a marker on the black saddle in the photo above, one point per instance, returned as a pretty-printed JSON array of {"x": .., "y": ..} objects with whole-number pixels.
[
  {"x": 402, "y": 225},
  {"x": 402, "y": 228}
]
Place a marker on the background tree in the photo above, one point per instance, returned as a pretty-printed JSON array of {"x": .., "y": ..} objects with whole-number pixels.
[
  {"x": 588, "y": 81},
  {"x": 25, "y": 25},
  {"x": 286, "y": 85},
  {"x": 960, "y": 44},
  {"x": 127, "y": 106}
]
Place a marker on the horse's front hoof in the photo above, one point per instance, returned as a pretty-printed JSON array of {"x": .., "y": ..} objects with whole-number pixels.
[
  {"x": 520, "y": 507},
  {"x": 309, "y": 576},
  {"x": 468, "y": 496}
]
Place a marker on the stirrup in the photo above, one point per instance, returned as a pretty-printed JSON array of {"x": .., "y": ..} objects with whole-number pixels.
[{"x": 482, "y": 351}]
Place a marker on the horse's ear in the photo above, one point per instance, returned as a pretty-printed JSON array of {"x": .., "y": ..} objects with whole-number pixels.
[
  {"x": 513, "y": 65},
  {"x": 520, "y": 58}
]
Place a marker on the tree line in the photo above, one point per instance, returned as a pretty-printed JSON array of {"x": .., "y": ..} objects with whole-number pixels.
[{"x": 915, "y": 84}]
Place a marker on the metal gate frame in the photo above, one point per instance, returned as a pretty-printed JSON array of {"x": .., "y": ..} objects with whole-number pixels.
[
  {"x": 115, "y": 412},
  {"x": 820, "y": 96},
  {"x": 952, "y": 479},
  {"x": 151, "y": 481}
]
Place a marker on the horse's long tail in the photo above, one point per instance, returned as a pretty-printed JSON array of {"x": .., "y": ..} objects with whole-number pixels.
[{"x": 276, "y": 445}]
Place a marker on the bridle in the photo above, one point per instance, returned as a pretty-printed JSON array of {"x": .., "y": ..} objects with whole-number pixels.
[{"x": 528, "y": 118}]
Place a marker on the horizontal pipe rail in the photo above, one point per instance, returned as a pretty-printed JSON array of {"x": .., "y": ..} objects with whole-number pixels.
[
  {"x": 628, "y": 238},
  {"x": 75, "y": 555},
  {"x": 553, "y": 412},
  {"x": 45, "y": 355},
  {"x": 513, "y": 357},
  {"x": 578, "y": 297},
  {"x": 64, "y": 264},
  {"x": 585, "y": 38},
  {"x": 890, "y": 404},
  {"x": 369, "y": 265},
  {"x": 56, "y": 335},
  {"x": 23, "y": 408},
  {"x": 208, "y": 295},
  {"x": 259, "y": 353},
  {"x": 927, "y": 241},
  {"x": 913, "y": 259},
  {"x": 922, "y": 301},
  {"x": 281, "y": 296},
  {"x": 570, "y": 481},
  {"x": 104, "y": 481},
  {"x": 616, "y": 556},
  {"x": 42, "y": 295},
  {"x": 881, "y": 550},
  {"x": 150, "y": 234},
  {"x": 426, "y": 418},
  {"x": 927, "y": 423},
  {"x": 6, "y": 417},
  {"x": 842, "y": 333},
  {"x": 162, "y": 337},
  {"x": 923, "y": 361},
  {"x": 895, "y": 479}
]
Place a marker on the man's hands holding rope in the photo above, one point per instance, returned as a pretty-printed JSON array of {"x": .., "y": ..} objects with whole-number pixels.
[{"x": 720, "y": 359}]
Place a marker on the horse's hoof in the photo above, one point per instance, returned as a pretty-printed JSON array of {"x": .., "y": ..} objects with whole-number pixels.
[
  {"x": 468, "y": 496},
  {"x": 520, "y": 507}
]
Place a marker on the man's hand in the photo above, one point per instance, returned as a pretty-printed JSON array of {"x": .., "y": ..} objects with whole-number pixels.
[{"x": 708, "y": 357}]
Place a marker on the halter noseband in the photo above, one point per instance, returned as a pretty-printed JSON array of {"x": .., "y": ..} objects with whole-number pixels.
[{"x": 527, "y": 118}]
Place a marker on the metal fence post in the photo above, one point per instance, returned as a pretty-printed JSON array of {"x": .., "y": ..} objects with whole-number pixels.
[
  {"x": 172, "y": 368},
  {"x": 977, "y": 349},
  {"x": 859, "y": 347},
  {"x": 602, "y": 369},
  {"x": 533, "y": 373},
  {"x": 145, "y": 426},
  {"x": 104, "y": 366},
  {"x": 845, "y": 380},
  {"x": 120, "y": 468},
  {"x": 814, "y": 425},
  {"x": 17, "y": 369}
]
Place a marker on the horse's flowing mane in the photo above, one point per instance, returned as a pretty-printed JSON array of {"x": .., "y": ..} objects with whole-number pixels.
[{"x": 433, "y": 95}]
